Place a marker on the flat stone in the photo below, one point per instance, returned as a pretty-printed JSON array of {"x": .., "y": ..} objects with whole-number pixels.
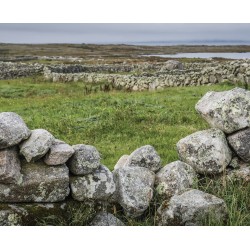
[
  {"x": 174, "y": 178},
  {"x": 240, "y": 142},
  {"x": 37, "y": 145},
  {"x": 228, "y": 111},
  {"x": 191, "y": 208},
  {"x": 106, "y": 219},
  {"x": 12, "y": 129},
  {"x": 134, "y": 189},
  {"x": 85, "y": 160},
  {"x": 121, "y": 162},
  {"x": 59, "y": 153},
  {"x": 40, "y": 183},
  {"x": 98, "y": 185},
  {"x": 206, "y": 151},
  {"x": 10, "y": 166},
  {"x": 145, "y": 156}
]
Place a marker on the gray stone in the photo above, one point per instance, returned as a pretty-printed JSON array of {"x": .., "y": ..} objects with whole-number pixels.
[
  {"x": 240, "y": 142},
  {"x": 191, "y": 208},
  {"x": 40, "y": 183},
  {"x": 9, "y": 218},
  {"x": 106, "y": 219},
  {"x": 174, "y": 178},
  {"x": 10, "y": 165},
  {"x": 237, "y": 163},
  {"x": 98, "y": 185},
  {"x": 206, "y": 151},
  {"x": 37, "y": 145},
  {"x": 134, "y": 189},
  {"x": 226, "y": 110},
  {"x": 146, "y": 157},
  {"x": 242, "y": 175},
  {"x": 59, "y": 153},
  {"x": 172, "y": 64},
  {"x": 85, "y": 160},
  {"x": 12, "y": 129},
  {"x": 121, "y": 162}
]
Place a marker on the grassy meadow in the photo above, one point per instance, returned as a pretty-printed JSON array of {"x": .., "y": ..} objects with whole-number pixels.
[{"x": 118, "y": 122}]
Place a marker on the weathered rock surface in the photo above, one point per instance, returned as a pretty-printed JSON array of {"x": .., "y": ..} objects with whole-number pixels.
[
  {"x": 192, "y": 208},
  {"x": 134, "y": 187},
  {"x": 172, "y": 64},
  {"x": 12, "y": 129},
  {"x": 174, "y": 178},
  {"x": 242, "y": 175},
  {"x": 237, "y": 163},
  {"x": 146, "y": 157},
  {"x": 40, "y": 183},
  {"x": 106, "y": 219},
  {"x": 206, "y": 151},
  {"x": 85, "y": 160},
  {"x": 98, "y": 185},
  {"x": 59, "y": 153},
  {"x": 121, "y": 162},
  {"x": 240, "y": 142},
  {"x": 226, "y": 110},
  {"x": 37, "y": 145},
  {"x": 9, "y": 218},
  {"x": 10, "y": 165}
]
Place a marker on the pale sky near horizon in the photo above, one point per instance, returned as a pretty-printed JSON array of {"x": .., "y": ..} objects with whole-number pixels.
[{"x": 122, "y": 33}]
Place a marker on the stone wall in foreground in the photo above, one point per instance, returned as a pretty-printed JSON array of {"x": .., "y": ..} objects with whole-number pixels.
[{"x": 40, "y": 175}]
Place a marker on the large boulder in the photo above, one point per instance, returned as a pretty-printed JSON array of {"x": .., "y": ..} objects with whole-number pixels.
[
  {"x": 106, "y": 219},
  {"x": 98, "y": 185},
  {"x": 172, "y": 64},
  {"x": 240, "y": 142},
  {"x": 85, "y": 160},
  {"x": 59, "y": 153},
  {"x": 226, "y": 110},
  {"x": 121, "y": 162},
  {"x": 174, "y": 178},
  {"x": 12, "y": 129},
  {"x": 39, "y": 183},
  {"x": 134, "y": 189},
  {"x": 145, "y": 156},
  {"x": 206, "y": 151},
  {"x": 10, "y": 166},
  {"x": 37, "y": 145},
  {"x": 192, "y": 208}
]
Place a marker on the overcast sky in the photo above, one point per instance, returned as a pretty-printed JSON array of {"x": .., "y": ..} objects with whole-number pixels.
[{"x": 123, "y": 33}]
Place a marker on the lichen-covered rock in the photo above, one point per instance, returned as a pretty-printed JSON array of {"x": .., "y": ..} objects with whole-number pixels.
[
  {"x": 240, "y": 142},
  {"x": 237, "y": 163},
  {"x": 172, "y": 64},
  {"x": 106, "y": 219},
  {"x": 191, "y": 208},
  {"x": 9, "y": 218},
  {"x": 241, "y": 175},
  {"x": 146, "y": 157},
  {"x": 98, "y": 185},
  {"x": 37, "y": 145},
  {"x": 226, "y": 110},
  {"x": 85, "y": 160},
  {"x": 134, "y": 189},
  {"x": 39, "y": 183},
  {"x": 58, "y": 153},
  {"x": 174, "y": 178},
  {"x": 12, "y": 129},
  {"x": 10, "y": 165},
  {"x": 206, "y": 151},
  {"x": 121, "y": 162}
]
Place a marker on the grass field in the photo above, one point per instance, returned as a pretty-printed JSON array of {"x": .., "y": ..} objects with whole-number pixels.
[{"x": 118, "y": 122}]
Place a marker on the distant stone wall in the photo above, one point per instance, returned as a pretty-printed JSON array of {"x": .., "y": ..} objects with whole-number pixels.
[{"x": 46, "y": 174}]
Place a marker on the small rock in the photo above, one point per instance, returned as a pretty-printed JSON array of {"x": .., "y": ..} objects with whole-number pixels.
[
  {"x": 85, "y": 160},
  {"x": 226, "y": 110},
  {"x": 98, "y": 185},
  {"x": 240, "y": 142},
  {"x": 174, "y": 178},
  {"x": 37, "y": 145},
  {"x": 59, "y": 153},
  {"x": 242, "y": 175},
  {"x": 191, "y": 208},
  {"x": 9, "y": 218},
  {"x": 206, "y": 151},
  {"x": 172, "y": 64},
  {"x": 10, "y": 166},
  {"x": 12, "y": 129},
  {"x": 237, "y": 163},
  {"x": 134, "y": 189},
  {"x": 145, "y": 157},
  {"x": 121, "y": 162},
  {"x": 106, "y": 219}
]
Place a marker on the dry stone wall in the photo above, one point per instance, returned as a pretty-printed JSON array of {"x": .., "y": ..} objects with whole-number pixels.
[{"x": 38, "y": 170}]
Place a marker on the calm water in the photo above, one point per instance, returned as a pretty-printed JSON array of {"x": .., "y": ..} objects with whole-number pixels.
[{"x": 245, "y": 55}]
